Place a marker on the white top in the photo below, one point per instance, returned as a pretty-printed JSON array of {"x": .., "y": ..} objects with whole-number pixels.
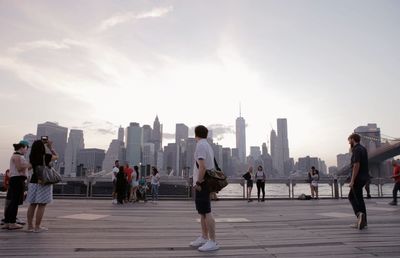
[
  {"x": 155, "y": 180},
  {"x": 203, "y": 152},
  {"x": 259, "y": 175},
  {"x": 114, "y": 173},
  {"x": 134, "y": 179},
  {"x": 13, "y": 168}
]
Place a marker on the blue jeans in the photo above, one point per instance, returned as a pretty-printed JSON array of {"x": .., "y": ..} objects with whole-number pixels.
[{"x": 154, "y": 192}]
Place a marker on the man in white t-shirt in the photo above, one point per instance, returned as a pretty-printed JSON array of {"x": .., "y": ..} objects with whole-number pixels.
[
  {"x": 114, "y": 181},
  {"x": 204, "y": 159}
]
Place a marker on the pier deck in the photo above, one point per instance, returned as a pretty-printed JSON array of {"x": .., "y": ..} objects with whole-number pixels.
[{"x": 278, "y": 228}]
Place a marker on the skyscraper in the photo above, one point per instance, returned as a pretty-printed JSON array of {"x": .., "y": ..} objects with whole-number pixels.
[
  {"x": 276, "y": 163},
  {"x": 121, "y": 134},
  {"x": 115, "y": 152},
  {"x": 58, "y": 135},
  {"x": 147, "y": 133},
  {"x": 181, "y": 136},
  {"x": 241, "y": 137},
  {"x": 283, "y": 138},
  {"x": 148, "y": 154},
  {"x": 90, "y": 161},
  {"x": 157, "y": 135},
  {"x": 181, "y": 132},
  {"x": 370, "y": 136},
  {"x": 75, "y": 143},
  {"x": 134, "y": 141},
  {"x": 30, "y": 138}
]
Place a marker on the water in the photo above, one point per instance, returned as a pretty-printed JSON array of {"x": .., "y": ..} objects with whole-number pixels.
[{"x": 282, "y": 190}]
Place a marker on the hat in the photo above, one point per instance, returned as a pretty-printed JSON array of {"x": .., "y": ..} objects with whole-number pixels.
[{"x": 24, "y": 142}]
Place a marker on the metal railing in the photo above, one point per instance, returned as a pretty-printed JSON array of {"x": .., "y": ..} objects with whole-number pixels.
[{"x": 275, "y": 188}]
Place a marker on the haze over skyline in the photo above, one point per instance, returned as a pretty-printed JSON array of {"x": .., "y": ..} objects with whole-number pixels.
[{"x": 326, "y": 66}]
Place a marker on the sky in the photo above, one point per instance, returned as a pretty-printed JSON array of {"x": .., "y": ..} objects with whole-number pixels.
[{"x": 326, "y": 66}]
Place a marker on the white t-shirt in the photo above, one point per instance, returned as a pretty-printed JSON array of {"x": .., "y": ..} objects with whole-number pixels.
[
  {"x": 205, "y": 152},
  {"x": 155, "y": 180},
  {"x": 114, "y": 173}
]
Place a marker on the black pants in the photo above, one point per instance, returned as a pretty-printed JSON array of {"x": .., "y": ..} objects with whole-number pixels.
[
  {"x": 15, "y": 197},
  {"x": 396, "y": 188},
  {"x": 356, "y": 198},
  {"x": 260, "y": 186}
]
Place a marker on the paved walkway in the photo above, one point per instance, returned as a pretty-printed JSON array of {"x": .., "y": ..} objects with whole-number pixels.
[{"x": 291, "y": 228}]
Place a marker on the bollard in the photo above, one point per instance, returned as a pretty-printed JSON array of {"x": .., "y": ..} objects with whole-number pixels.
[{"x": 336, "y": 188}]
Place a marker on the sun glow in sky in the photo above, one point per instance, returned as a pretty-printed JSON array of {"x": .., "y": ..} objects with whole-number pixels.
[{"x": 326, "y": 66}]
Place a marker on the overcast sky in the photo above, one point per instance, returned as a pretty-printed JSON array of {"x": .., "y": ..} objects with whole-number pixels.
[{"x": 326, "y": 66}]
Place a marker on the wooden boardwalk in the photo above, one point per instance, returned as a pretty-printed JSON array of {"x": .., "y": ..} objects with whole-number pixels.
[{"x": 278, "y": 228}]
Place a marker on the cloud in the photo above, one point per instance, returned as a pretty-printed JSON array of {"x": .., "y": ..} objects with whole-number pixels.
[
  {"x": 219, "y": 130},
  {"x": 47, "y": 44},
  {"x": 168, "y": 136},
  {"x": 98, "y": 127},
  {"x": 105, "y": 131},
  {"x": 129, "y": 16}
]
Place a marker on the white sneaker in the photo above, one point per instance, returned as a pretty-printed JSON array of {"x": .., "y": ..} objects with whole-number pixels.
[
  {"x": 114, "y": 201},
  {"x": 198, "y": 242},
  {"x": 209, "y": 246}
]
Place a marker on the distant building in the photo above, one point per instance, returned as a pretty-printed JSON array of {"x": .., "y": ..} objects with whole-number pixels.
[
  {"x": 134, "y": 141},
  {"x": 343, "y": 160},
  {"x": 170, "y": 158},
  {"x": 58, "y": 135},
  {"x": 90, "y": 161},
  {"x": 147, "y": 133},
  {"x": 255, "y": 152},
  {"x": 148, "y": 154},
  {"x": 241, "y": 138},
  {"x": 304, "y": 164},
  {"x": 370, "y": 136},
  {"x": 115, "y": 152},
  {"x": 157, "y": 135},
  {"x": 181, "y": 132},
  {"x": 333, "y": 170},
  {"x": 227, "y": 162},
  {"x": 74, "y": 145},
  {"x": 121, "y": 134}
]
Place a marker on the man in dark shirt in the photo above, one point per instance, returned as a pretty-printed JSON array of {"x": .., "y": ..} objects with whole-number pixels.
[{"x": 359, "y": 177}]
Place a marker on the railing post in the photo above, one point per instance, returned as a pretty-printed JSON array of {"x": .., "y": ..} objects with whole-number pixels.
[
  {"x": 336, "y": 188},
  {"x": 244, "y": 190}
]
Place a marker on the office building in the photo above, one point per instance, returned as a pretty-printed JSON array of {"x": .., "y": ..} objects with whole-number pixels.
[
  {"x": 134, "y": 142},
  {"x": 58, "y": 135},
  {"x": 90, "y": 161},
  {"x": 74, "y": 145}
]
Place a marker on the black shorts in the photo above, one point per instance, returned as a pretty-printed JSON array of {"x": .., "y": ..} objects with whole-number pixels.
[
  {"x": 249, "y": 183},
  {"x": 202, "y": 200}
]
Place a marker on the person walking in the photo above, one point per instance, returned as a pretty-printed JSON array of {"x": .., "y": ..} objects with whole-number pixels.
[
  {"x": 260, "y": 182},
  {"x": 396, "y": 178},
  {"x": 359, "y": 177},
  {"x": 249, "y": 177},
  {"x": 204, "y": 159},
  {"x": 314, "y": 178},
  {"x": 121, "y": 185},
  {"x": 15, "y": 194},
  {"x": 42, "y": 153},
  {"x": 155, "y": 184}
]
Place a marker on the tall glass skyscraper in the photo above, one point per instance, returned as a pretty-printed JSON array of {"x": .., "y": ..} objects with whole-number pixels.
[
  {"x": 241, "y": 137},
  {"x": 134, "y": 142}
]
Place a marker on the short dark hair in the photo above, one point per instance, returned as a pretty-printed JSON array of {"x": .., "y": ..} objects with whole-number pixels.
[
  {"x": 116, "y": 161},
  {"x": 201, "y": 131},
  {"x": 356, "y": 137}
]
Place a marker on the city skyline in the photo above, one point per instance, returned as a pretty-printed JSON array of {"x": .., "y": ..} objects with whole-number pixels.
[{"x": 326, "y": 66}]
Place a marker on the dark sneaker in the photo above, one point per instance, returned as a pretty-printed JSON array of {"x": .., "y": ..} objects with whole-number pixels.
[
  {"x": 2, "y": 222},
  {"x": 361, "y": 223},
  {"x": 393, "y": 203},
  {"x": 369, "y": 196}
]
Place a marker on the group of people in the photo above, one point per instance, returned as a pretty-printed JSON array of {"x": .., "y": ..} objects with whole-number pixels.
[
  {"x": 259, "y": 177},
  {"x": 129, "y": 186},
  {"x": 24, "y": 176}
]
